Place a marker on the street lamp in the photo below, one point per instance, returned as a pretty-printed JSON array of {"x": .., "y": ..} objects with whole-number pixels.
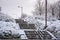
[
  {"x": 21, "y": 10},
  {"x": 0, "y": 8}
]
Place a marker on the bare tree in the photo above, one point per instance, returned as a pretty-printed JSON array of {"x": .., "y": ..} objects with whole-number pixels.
[
  {"x": 59, "y": 9},
  {"x": 54, "y": 9},
  {"x": 38, "y": 8}
]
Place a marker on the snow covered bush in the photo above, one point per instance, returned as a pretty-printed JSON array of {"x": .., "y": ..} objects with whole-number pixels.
[
  {"x": 8, "y": 28},
  {"x": 6, "y": 18},
  {"x": 55, "y": 28}
]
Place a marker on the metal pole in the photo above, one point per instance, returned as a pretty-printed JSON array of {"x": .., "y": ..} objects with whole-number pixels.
[
  {"x": 21, "y": 11},
  {"x": 45, "y": 14}
]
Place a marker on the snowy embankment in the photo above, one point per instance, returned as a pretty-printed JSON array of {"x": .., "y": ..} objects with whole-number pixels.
[
  {"x": 11, "y": 30},
  {"x": 53, "y": 24}
]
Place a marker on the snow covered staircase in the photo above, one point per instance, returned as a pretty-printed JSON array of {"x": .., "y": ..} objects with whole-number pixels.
[
  {"x": 42, "y": 35},
  {"x": 32, "y": 35}
]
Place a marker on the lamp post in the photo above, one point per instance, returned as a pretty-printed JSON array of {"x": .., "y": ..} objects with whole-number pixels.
[
  {"x": 0, "y": 8},
  {"x": 45, "y": 14},
  {"x": 21, "y": 10}
]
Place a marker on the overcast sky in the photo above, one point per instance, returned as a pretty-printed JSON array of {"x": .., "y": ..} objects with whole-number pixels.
[{"x": 10, "y": 7}]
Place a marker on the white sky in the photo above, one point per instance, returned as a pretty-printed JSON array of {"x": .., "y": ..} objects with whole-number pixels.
[{"x": 10, "y": 7}]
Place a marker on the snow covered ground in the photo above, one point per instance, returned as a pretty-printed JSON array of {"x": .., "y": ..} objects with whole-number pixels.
[{"x": 53, "y": 24}]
